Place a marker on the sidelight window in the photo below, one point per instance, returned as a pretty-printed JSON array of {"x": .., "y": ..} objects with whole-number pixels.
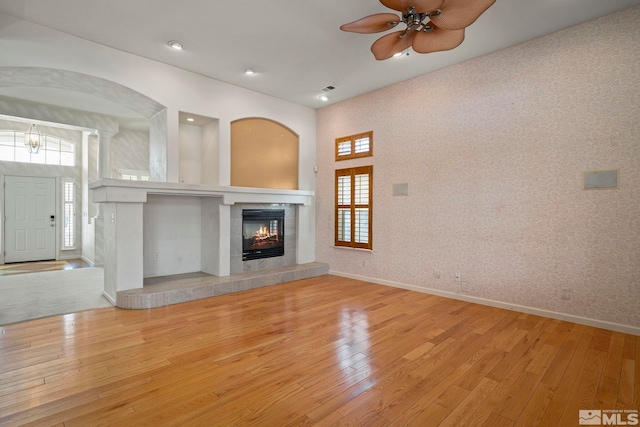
[{"x": 69, "y": 213}]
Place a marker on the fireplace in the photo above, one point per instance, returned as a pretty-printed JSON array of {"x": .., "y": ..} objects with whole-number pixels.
[{"x": 262, "y": 233}]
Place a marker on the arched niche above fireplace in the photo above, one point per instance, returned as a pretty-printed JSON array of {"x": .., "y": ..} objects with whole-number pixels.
[{"x": 264, "y": 154}]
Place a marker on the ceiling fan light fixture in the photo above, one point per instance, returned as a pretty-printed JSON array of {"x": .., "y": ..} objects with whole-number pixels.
[
  {"x": 431, "y": 25},
  {"x": 175, "y": 44},
  {"x": 401, "y": 53}
]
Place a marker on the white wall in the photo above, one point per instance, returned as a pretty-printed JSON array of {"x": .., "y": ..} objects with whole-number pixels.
[
  {"x": 129, "y": 150},
  {"x": 172, "y": 235},
  {"x": 190, "y": 154},
  {"x": 24, "y": 44},
  {"x": 28, "y": 45},
  {"x": 210, "y": 153}
]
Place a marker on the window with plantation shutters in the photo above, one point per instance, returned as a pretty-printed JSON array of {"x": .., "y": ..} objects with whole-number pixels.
[
  {"x": 350, "y": 147},
  {"x": 354, "y": 190}
]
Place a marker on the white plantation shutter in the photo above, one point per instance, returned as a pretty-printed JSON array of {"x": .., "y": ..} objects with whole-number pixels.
[
  {"x": 353, "y": 146},
  {"x": 69, "y": 214}
]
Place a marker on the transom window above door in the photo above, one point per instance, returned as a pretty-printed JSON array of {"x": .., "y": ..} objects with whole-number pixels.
[{"x": 53, "y": 150}]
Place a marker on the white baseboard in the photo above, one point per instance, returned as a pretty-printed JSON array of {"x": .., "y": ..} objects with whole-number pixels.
[
  {"x": 627, "y": 329},
  {"x": 88, "y": 261},
  {"x": 63, "y": 257},
  {"x": 108, "y": 298}
]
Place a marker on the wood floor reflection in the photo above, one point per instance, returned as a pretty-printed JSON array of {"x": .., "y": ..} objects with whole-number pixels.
[
  {"x": 321, "y": 351},
  {"x": 39, "y": 266}
]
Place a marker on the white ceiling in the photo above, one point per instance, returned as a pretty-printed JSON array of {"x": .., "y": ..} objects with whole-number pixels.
[{"x": 295, "y": 46}]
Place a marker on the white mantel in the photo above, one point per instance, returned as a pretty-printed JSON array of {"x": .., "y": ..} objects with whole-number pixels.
[
  {"x": 123, "y": 203},
  {"x": 116, "y": 190}
]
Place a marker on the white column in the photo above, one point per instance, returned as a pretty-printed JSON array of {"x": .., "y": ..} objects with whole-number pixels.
[
  {"x": 104, "y": 153},
  {"x": 224, "y": 248},
  {"x": 123, "y": 248},
  {"x": 305, "y": 234},
  {"x": 104, "y": 171},
  {"x": 88, "y": 240}
]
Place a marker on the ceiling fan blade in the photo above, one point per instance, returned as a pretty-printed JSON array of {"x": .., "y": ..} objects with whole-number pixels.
[
  {"x": 421, "y": 6},
  {"x": 372, "y": 23},
  {"x": 457, "y": 14},
  {"x": 387, "y": 46},
  {"x": 394, "y": 4},
  {"x": 437, "y": 40}
]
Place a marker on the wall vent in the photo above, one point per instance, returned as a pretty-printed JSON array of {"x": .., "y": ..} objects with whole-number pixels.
[
  {"x": 600, "y": 179},
  {"x": 401, "y": 189}
]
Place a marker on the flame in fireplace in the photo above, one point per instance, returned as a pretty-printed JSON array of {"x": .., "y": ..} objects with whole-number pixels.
[{"x": 263, "y": 233}]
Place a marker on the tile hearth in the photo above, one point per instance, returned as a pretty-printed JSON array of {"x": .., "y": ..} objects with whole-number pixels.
[{"x": 175, "y": 289}]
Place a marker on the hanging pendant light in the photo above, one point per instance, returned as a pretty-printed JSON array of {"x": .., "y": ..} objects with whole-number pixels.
[{"x": 32, "y": 140}]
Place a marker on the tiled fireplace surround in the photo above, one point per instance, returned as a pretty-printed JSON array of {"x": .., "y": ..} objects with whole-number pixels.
[
  {"x": 221, "y": 265},
  {"x": 289, "y": 258}
]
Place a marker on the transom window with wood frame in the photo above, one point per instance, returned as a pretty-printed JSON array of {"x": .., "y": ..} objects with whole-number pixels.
[
  {"x": 354, "y": 146},
  {"x": 354, "y": 205}
]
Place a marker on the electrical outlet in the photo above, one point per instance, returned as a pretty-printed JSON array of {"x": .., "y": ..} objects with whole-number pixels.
[
  {"x": 157, "y": 256},
  {"x": 464, "y": 288},
  {"x": 566, "y": 293},
  {"x": 365, "y": 263},
  {"x": 458, "y": 277},
  {"x": 437, "y": 274}
]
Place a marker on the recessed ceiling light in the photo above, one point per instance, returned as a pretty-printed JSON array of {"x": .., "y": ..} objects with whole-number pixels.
[
  {"x": 190, "y": 119},
  {"x": 323, "y": 98},
  {"x": 175, "y": 45},
  {"x": 249, "y": 71}
]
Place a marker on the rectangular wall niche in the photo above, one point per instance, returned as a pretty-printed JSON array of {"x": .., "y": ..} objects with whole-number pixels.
[{"x": 262, "y": 233}]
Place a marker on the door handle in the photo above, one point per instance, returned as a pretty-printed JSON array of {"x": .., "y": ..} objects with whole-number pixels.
[{"x": 53, "y": 217}]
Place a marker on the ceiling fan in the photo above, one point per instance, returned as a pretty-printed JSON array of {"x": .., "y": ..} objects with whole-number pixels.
[{"x": 432, "y": 25}]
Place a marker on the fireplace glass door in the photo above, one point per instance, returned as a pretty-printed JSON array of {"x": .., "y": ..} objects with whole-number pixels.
[{"x": 262, "y": 233}]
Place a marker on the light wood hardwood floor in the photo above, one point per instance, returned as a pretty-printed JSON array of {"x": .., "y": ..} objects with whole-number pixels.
[
  {"x": 322, "y": 351},
  {"x": 39, "y": 266}
]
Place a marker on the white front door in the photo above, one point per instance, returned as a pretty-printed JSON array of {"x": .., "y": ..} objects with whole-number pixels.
[{"x": 29, "y": 212}]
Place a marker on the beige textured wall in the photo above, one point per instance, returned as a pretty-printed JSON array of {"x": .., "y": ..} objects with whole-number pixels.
[
  {"x": 493, "y": 150},
  {"x": 264, "y": 154}
]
